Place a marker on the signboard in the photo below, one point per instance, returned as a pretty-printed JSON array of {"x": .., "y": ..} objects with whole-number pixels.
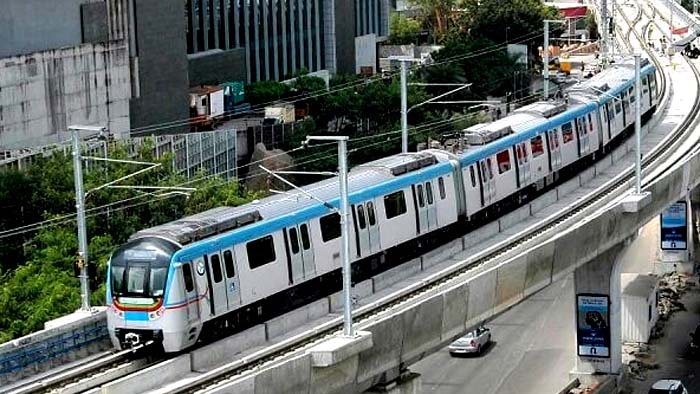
[
  {"x": 674, "y": 231},
  {"x": 593, "y": 325}
]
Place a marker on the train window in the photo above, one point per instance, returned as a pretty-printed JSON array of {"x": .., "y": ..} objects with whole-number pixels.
[
  {"x": 228, "y": 262},
  {"x": 519, "y": 154},
  {"x": 361, "y": 216},
  {"x": 294, "y": 240},
  {"x": 471, "y": 172},
  {"x": 618, "y": 104},
  {"x": 330, "y": 227},
  {"x": 503, "y": 159},
  {"x": 526, "y": 156},
  {"x": 261, "y": 252},
  {"x": 537, "y": 146},
  {"x": 419, "y": 192},
  {"x": 305, "y": 240},
  {"x": 187, "y": 275},
  {"x": 370, "y": 214},
  {"x": 567, "y": 132},
  {"x": 590, "y": 122},
  {"x": 394, "y": 204},
  {"x": 429, "y": 192},
  {"x": 489, "y": 168},
  {"x": 216, "y": 268},
  {"x": 632, "y": 95},
  {"x": 441, "y": 184}
]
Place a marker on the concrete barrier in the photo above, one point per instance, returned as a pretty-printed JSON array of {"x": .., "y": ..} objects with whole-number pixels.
[
  {"x": 151, "y": 378},
  {"x": 586, "y": 175},
  {"x": 224, "y": 350},
  {"x": 603, "y": 164},
  {"x": 441, "y": 253},
  {"x": 423, "y": 326},
  {"x": 291, "y": 377},
  {"x": 619, "y": 153},
  {"x": 568, "y": 187},
  {"x": 387, "y": 337},
  {"x": 286, "y": 323},
  {"x": 510, "y": 283},
  {"x": 361, "y": 290},
  {"x": 63, "y": 340},
  {"x": 455, "y": 304},
  {"x": 243, "y": 386},
  {"x": 397, "y": 274},
  {"x": 509, "y": 220},
  {"x": 543, "y": 201},
  {"x": 479, "y": 235},
  {"x": 482, "y": 296}
]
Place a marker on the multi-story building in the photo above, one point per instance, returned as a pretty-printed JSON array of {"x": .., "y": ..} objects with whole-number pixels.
[{"x": 128, "y": 64}]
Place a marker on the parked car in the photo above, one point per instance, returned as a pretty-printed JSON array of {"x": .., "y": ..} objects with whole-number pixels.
[
  {"x": 473, "y": 342},
  {"x": 668, "y": 386}
]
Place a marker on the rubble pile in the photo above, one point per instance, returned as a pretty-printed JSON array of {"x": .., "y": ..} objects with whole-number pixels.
[
  {"x": 638, "y": 358},
  {"x": 671, "y": 288}
]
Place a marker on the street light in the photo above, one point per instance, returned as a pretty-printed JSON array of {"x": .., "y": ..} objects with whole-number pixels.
[
  {"x": 344, "y": 226},
  {"x": 80, "y": 207}
]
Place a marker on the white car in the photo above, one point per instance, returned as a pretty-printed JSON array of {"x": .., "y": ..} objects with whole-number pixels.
[
  {"x": 668, "y": 386},
  {"x": 474, "y": 342}
]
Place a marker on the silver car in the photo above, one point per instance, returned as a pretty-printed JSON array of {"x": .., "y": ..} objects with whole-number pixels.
[
  {"x": 668, "y": 386},
  {"x": 474, "y": 342}
]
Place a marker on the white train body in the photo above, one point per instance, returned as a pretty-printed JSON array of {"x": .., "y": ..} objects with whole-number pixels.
[{"x": 233, "y": 267}]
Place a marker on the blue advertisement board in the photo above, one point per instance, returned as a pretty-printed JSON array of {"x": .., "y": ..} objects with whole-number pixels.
[
  {"x": 593, "y": 325},
  {"x": 674, "y": 229}
]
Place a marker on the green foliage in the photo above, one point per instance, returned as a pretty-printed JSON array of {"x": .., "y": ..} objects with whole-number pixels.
[
  {"x": 38, "y": 283},
  {"x": 403, "y": 30},
  {"x": 591, "y": 25},
  {"x": 264, "y": 92}
]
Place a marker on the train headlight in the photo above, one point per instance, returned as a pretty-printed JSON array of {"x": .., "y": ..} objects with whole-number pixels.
[{"x": 156, "y": 314}]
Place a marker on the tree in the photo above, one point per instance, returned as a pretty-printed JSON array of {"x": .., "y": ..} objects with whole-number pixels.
[
  {"x": 435, "y": 15},
  {"x": 265, "y": 92},
  {"x": 591, "y": 25},
  {"x": 403, "y": 30}
]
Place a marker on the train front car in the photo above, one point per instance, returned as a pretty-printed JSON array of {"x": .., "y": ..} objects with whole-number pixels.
[{"x": 137, "y": 295}]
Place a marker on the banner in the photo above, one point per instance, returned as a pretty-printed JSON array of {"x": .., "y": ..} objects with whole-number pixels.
[
  {"x": 593, "y": 325},
  {"x": 674, "y": 230}
]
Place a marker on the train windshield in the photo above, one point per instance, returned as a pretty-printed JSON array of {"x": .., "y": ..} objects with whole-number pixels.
[{"x": 138, "y": 276}]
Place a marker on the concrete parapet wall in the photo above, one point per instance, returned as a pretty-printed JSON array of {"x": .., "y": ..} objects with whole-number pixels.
[
  {"x": 284, "y": 324},
  {"x": 150, "y": 378},
  {"x": 222, "y": 351},
  {"x": 73, "y": 337}
]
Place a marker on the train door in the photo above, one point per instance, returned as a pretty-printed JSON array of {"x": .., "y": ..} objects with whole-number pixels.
[
  {"x": 488, "y": 182},
  {"x": 582, "y": 135},
  {"x": 191, "y": 294},
  {"x": 203, "y": 286},
  {"x": 307, "y": 251},
  {"x": 366, "y": 228},
  {"x": 422, "y": 210},
  {"x": 219, "y": 297},
  {"x": 608, "y": 114},
  {"x": 430, "y": 206},
  {"x": 296, "y": 258},
  {"x": 554, "y": 149},
  {"x": 233, "y": 286},
  {"x": 522, "y": 156}
]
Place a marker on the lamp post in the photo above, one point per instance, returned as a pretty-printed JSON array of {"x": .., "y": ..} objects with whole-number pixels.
[
  {"x": 80, "y": 207},
  {"x": 638, "y": 123},
  {"x": 344, "y": 226}
]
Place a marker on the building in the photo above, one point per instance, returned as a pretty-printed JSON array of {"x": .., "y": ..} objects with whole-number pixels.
[
  {"x": 273, "y": 39},
  {"x": 128, "y": 64}
]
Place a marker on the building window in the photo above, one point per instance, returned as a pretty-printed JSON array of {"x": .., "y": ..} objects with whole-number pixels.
[
  {"x": 228, "y": 262},
  {"x": 395, "y": 204},
  {"x": 503, "y": 160},
  {"x": 261, "y": 252},
  {"x": 330, "y": 227}
]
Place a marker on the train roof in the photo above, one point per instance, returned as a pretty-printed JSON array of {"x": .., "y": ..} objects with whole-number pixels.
[
  {"x": 223, "y": 219},
  {"x": 603, "y": 86}
]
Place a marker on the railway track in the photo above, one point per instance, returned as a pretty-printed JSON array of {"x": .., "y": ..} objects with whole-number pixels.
[
  {"x": 115, "y": 366},
  {"x": 415, "y": 293}
]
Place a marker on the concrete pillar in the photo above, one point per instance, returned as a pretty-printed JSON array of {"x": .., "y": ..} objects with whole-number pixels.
[
  {"x": 597, "y": 297},
  {"x": 676, "y": 256},
  {"x": 407, "y": 383}
]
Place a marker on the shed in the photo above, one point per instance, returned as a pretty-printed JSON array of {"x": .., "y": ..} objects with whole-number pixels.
[{"x": 639, "y": 306}]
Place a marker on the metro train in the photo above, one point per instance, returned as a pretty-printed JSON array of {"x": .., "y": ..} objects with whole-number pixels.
[{"x": 231, "y": 267}]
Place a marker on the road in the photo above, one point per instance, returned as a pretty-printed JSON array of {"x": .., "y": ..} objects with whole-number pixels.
[{"x": 532, "y": 351}]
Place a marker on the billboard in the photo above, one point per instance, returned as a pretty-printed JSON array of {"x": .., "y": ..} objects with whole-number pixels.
[
  {"x": 674, "y": 231},
  {"x": 593, "y": 325}
]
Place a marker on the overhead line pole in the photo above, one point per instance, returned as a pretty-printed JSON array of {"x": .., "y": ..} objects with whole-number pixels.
[
  {"x": 545, "y": 56},
  {"x": 404, "y": 106},
  {"x": 638, "y": 122}
]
